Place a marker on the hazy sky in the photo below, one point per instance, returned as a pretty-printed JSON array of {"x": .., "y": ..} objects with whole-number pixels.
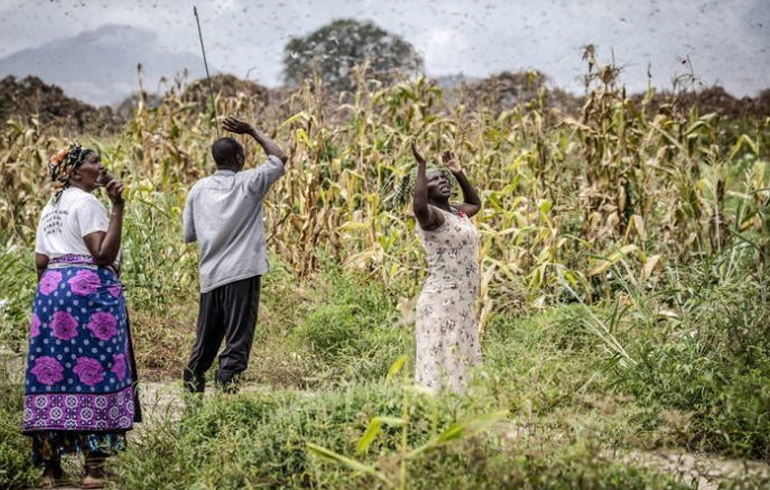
[{"x": 728, "y": 41}]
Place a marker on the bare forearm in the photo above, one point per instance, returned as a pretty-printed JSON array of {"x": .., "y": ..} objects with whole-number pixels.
[
  {"x": 421, "y": 193},
  {"x": 110, "y": 246},
  {"x": 270, "y": 146}
]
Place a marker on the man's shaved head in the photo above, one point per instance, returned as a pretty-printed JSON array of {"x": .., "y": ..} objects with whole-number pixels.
[{"x": 228, "y": 153}]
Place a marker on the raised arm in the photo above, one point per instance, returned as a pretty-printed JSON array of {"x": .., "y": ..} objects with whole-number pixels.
[
  {"x": 241, "y": 127},
  {"x": 429, "y": 218},
  {"x": 472, "y": 204}
]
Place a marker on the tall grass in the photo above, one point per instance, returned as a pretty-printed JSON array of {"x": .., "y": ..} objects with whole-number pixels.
[{"x": 16, "y": 470}]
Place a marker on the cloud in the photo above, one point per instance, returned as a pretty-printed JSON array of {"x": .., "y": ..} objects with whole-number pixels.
[
  {"x": 726, "y": 39},
  {"x": 440, "y": 48}
]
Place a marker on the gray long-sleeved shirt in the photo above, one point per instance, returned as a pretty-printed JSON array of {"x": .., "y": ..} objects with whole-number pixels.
[{"x": 223, "y": 213}]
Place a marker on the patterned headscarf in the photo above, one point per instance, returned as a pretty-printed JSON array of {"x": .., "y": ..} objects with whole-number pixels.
[{"x": 64, "y": 163}]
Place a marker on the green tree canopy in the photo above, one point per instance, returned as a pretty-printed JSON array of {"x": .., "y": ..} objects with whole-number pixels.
[{"x": 336, "y": 48}]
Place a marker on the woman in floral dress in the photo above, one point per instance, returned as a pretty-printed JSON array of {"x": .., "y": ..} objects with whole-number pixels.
[
  {"x": 79, "y": 386},
  {"x": 447, "y": 337}
]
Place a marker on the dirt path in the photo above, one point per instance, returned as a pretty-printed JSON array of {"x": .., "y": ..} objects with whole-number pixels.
[
  {"x": 705, "y": 470},
  {"x": 702, "y": 471}
]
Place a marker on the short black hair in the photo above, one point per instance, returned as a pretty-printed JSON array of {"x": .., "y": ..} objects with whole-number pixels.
[{"x": 225, "y": 152}]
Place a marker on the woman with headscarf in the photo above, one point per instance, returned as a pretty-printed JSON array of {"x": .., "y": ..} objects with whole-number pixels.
[
  {"x": 446, "y": 334},
  {"x": 79, "y": 386}
]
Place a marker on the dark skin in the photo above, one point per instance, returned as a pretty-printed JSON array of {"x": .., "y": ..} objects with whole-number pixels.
[
  {"x": 433, "y": 191},
  {"x": 103, "y": 246},
  {"x": 237, "y": 126}
]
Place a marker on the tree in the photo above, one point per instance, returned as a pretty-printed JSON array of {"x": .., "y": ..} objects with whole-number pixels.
[{"x": 336, "y": 48}]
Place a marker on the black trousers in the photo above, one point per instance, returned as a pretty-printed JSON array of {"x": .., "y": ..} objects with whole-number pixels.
[{"x": 226, "y": 313}]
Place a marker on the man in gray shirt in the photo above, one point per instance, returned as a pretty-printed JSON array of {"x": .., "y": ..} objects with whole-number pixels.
[{"x": 223, "y": 213}]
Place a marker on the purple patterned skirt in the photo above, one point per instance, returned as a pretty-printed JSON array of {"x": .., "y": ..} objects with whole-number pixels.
[{"x": 80, "y": 372}]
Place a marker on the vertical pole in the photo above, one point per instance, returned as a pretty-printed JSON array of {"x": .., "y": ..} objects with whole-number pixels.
[{"x": 208, "y": 77}]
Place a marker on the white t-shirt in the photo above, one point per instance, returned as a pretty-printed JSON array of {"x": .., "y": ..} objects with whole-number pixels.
[{"x": 64, "y": 224}]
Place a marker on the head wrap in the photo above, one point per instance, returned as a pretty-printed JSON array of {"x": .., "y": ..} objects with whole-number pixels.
[{"x": 64, "y": 163}]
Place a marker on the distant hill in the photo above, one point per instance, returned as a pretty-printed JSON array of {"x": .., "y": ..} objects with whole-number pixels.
[
  {"x": 100, "y": 66},
  {"x": 30, "y": 97}
]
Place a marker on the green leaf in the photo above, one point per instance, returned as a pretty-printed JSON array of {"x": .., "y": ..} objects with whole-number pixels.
[
  {"x": 374, "y": 429},
  {"x": 295, "y": 117},
  {"x": 330, "y": 456},
  {"x": 744, "y": 138},
  {"x": 459, "y": 430},
  {"x": 396, "y": 367},
  {"x": 470, "y": 426}
]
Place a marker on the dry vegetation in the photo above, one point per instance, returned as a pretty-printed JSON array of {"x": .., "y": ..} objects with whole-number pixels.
[{"x": 624, "y": 253}]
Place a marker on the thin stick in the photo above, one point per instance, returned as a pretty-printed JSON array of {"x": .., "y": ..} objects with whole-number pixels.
[{"x": 208, "y": 77}]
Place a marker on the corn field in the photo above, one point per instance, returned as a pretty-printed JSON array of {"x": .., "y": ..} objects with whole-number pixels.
[{"x": 565, "y": 197}]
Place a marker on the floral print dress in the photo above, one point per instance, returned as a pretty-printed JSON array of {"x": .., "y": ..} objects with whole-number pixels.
[
  {"x": 447, "y": 336},
  {"x": 79, "y": 386}
]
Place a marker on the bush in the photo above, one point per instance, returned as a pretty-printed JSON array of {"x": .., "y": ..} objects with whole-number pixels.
[
  {"x": 713, "y": 366},
  {"x": 541, "y": 360},
  {"x": 352, "y": 328},
  {"x": 17, "y": 290},
  {"x": 480, "y": 466}
]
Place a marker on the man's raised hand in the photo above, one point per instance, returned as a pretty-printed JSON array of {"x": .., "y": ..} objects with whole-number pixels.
[{"x": 237, "y": 126}]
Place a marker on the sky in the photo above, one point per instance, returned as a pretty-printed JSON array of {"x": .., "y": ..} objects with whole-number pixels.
[{"x": 726, "y": 41}]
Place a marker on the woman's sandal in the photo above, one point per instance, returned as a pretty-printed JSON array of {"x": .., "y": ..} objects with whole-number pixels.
[
  {"x": 51, "y": 477},
  {"x": 92, "y": 482},
  {"x": 48, "y": 482},
  {"x": 95, "y": 476}
]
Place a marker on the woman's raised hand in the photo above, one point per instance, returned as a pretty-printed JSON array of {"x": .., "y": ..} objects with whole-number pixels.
[
  {"x": 416, "y": 152},
  {"x": 451, "y": 162}
]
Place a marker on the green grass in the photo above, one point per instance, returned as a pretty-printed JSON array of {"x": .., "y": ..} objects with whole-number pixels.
[
  {"x": 259, "y": 440},
  {"x": 17, "y": 288},
  {"x": 569, "y": 403},
  {"x": 353, "y": 330},
  {"x": 567, "y": 396},
  {"x": 16, "y": 470}
]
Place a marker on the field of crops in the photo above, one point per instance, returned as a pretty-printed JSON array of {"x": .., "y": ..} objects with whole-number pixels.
[{"x": 624, "y": 299}]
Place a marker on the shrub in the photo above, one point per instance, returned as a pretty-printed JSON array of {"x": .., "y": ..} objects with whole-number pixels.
[
  {"x": 712, "y": 365},
  {"x": 352, "y": 328},
  {"x": 17, "y": 290}
]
